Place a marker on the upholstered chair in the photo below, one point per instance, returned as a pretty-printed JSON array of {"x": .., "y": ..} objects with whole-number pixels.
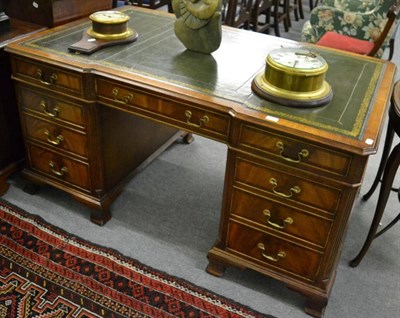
[{"x": 362, "y": 20}]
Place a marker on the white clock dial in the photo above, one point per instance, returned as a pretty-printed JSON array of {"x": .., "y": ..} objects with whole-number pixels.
[
  {"x": 109, "y": 17},
  {"x": 298, "y": 58}
]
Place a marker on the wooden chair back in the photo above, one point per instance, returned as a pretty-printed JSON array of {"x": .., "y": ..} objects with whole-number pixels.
[
  {"x": 392, "y": 16},
  {"x": 237, "y": 13}
]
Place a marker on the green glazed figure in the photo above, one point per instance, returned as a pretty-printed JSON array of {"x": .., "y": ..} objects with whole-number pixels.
[{"x": 198, "y": 24}]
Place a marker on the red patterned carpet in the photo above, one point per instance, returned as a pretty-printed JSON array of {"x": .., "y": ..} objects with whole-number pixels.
[{"x": 46, "y": 272}]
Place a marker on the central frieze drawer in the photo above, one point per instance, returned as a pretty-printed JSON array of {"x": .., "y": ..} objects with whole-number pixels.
[
  {"x": 50, "y": 107},
  {"x": 270, "y": 251},
  {"x": 288, "y": 187},
  {"x": 270, "y": 214},
  {"x": 50, "y": 77},
  {"x": 59, "y": 167},
  {"x": 56, "y": 136},
  {"x": 187, "y": 116}
]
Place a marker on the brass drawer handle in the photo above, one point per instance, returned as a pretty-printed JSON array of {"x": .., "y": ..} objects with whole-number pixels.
[
  {"x": 53, "y": 77},
  {"x": 55, "y": 141},
  {"x": 302, "y": 154},
  {"x": 286, "y": 221},
  {"x": 124, "y": 100},
  {"x": 53, "y": 113},
  {"x": 280, "y": 255},
  {"x": 60, "y": 173},
  {"x": 203, "y": 120},
  {"x": 293, "y": 190}
]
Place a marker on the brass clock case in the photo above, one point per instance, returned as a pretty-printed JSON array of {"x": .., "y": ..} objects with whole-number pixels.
[
  {"x": 297, "y": 80},
  {"x": 109, "y": 25}
]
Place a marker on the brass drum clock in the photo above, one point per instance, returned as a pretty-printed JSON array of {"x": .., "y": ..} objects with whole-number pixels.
[
  {"x": 109, "y": 25},
  {"x": 294, "y": 76},
  {"x": 108, "y": 28}
]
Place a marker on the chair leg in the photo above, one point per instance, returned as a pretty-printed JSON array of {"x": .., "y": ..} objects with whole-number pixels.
[
  {"x": 287, "y": 23},
  {"x": 387, "y": 181},
  {"x": 300, "y": 5},
  {"x": 267, "y": 20},
  {"x": 313, "y": 4},
  {"x": 385, "y": 154},
  {"x": 296, "y": 10},
  {"x": 276, "y": 18},
  {"x": 391, "y": 49}
]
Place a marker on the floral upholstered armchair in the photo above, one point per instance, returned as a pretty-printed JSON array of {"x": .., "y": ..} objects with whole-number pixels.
[{"x": 359, "y": 19}]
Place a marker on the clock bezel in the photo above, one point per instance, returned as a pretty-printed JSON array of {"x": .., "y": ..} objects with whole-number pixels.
[
  {"x": 122, "y": 17},
  {"x": 296, "y": 70}
]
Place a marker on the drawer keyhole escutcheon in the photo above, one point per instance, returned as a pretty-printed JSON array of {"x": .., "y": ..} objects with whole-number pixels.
[
  {"x": 124, "y": 100},
  {"x": 53, "y": 113},
  {"x": 286, "y": 221},
  {"x": 60, "y": 173},
  {"x": 52, "y": 79},
  {"x": 293, "y": 190},
  {"x": 302, "y": 154},
  {"x": 54, "y": 141},
  {"x": 276, "y": 258},
  {"x": 203, "y": 120}
]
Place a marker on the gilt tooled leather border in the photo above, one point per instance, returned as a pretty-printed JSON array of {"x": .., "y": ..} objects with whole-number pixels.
[{"x": 354, "y": 114}]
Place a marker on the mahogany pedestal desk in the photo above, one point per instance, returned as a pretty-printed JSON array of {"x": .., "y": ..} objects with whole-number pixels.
[{"x": 89, "y": 121}]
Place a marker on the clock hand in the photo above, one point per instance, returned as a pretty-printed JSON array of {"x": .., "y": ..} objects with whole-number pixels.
[{"x": 309, "y": 54}]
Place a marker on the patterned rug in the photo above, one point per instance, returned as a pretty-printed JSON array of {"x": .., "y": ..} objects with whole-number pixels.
[{"x": 46, "y": 272}]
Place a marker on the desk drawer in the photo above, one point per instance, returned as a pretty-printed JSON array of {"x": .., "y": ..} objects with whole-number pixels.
[
  {"x": 49, "y": 77},
  {"x": 58, "y": 167},
  {"x": 270, "y": 214},
  {"x": 293, "y": 151},
  {"x": 270, "y": 251},
  {"x": 287, "y": 187},
  {"x": 187, "y": 117},
  {"x": 56, "y": 136},
  {"x": 50, "y": 107}
]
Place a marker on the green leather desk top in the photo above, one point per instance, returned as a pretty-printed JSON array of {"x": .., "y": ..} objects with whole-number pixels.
[{"x": 227, "y": 73}]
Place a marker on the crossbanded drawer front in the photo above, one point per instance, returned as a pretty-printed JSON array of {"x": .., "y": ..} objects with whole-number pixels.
[
  {"x": 186, "y": 116},
  {"x": 267, "y": 250},
  {"x": 284, "y": 219},
  {"x": 49, "y": 77},
  {"x": 288, "y": 187},
  {"x": 295, "y": 152},
  {"x": 51, "y": 107},
  {"x": 58, "y": 167},
  {"x": 56, "y": 136}
]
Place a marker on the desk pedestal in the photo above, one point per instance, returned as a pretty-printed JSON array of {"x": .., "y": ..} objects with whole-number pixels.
[
  {"x": 87, "y": 149},
  {"x": 283, "y": 216}
]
